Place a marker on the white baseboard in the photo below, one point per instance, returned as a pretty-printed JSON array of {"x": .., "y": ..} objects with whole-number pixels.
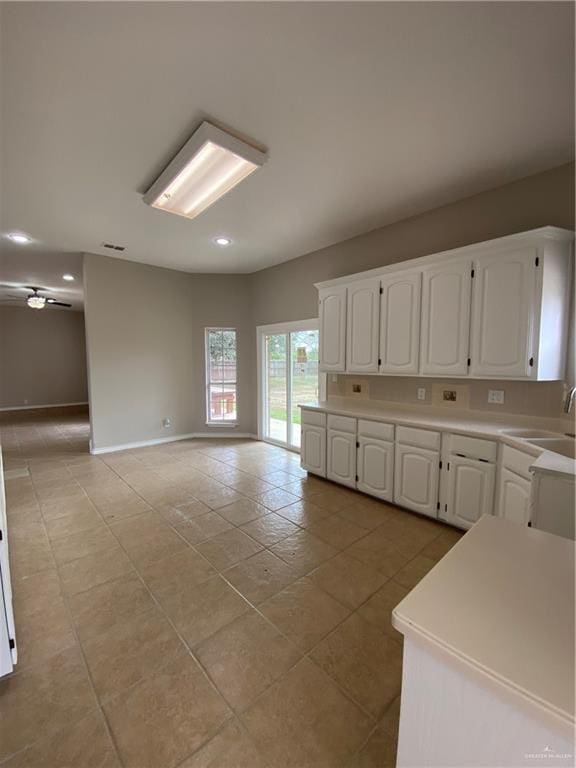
[
  {"x": 175, "y": 438},
  {"x": 38, "y": 407}
]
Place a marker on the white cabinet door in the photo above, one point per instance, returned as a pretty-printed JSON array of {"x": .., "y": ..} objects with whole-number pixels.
[
  {"x": 416, "y": 473},
  {"x": 400, "y": 323},
  {"x": 376, "y": 467},
  {"x": 445, "y": 331},
  {"x": 342, "y": 457},
  {"x": 333, "y": 329},
  {"x": 514, "y": 497},
  {"x": 470, "y": 490},
  {"x": 362, "y": 322},
  {"x": 313, "y": 449},
  {"x": 503, "y": 314}
]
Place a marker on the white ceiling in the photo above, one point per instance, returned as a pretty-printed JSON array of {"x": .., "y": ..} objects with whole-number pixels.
[{"x": 371, "y": 112}]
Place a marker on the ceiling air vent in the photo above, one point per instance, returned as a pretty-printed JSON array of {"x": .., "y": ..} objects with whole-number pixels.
[{"x": 113, "y": 247}]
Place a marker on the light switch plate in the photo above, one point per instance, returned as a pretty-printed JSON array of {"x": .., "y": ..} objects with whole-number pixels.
[
  {"x": 421, "y": 393},
  {"x": 496, "y": 396}
]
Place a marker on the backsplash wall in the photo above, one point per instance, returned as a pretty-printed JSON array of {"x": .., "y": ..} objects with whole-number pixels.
[{"x": 543, "y": 398}]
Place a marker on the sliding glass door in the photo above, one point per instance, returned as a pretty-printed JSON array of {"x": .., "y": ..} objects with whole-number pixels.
[{"x": 289, "y": 376}]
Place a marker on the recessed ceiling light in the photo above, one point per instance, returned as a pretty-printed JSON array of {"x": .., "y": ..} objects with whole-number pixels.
[
  {"x": 210, "y": 164},
  {"x": 20, "y": 238},
  {"x": 222, "y": 241},
  {"x": 69, "y": 278}
]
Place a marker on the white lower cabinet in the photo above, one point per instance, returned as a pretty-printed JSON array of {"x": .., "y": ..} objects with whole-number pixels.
[
  {"x": 470, "y": 490},
  {"x": 416, "y": 473},
  {"x": 514, "y": 497},
  {"x": 376, "y": 467},
  {"x": 313, "y": 449},
  {"x": 341, "y": 451}
]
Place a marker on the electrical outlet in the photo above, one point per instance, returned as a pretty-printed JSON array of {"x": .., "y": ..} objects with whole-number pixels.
[
  {"x": 166, "y": 423},
  {"x": 357, "y": 389},
  {"x": 421, "y": 393},
  {"x": 449, "y": 395},
  {"x": 334, "y": 378},
  {"x": 496, "y": 396}
]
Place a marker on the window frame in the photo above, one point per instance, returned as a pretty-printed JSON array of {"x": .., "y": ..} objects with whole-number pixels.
[{"x": 210, "y": 422}]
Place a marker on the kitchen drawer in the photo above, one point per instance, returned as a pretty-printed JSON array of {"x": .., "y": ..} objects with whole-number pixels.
[
  {"x": 376, "y": 429},
  {"x": 422, "y": 438},
  {"x": 341, "y": 423},
  {"x": 517, "y": 461},
  {"x": 314, "y": 418},
  {"x": 473, "y": 448}
]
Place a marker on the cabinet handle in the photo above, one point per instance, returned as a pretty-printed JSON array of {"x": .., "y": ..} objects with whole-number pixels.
[{"x": 531, "y": 362}]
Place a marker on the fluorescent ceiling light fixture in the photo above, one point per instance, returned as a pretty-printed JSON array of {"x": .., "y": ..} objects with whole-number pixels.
[
  {"x": 211, "y": 163},
  {"x": 68, "y": 278},
  {"x": 20, "y": 238},
  {"x": 36, "y": 302},
  {"x": 222, "y": 241}
]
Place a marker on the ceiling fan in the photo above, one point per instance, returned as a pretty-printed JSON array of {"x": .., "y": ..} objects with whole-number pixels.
[{"x": 35, "y": 301}]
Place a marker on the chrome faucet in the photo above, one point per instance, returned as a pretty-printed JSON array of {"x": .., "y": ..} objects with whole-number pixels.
[{"x": 569, "y": 399}]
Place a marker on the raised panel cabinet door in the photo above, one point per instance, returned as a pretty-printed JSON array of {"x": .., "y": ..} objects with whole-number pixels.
[
  {"x": 362, "y": 326},
  {"x": 416, "y": 472},
  {"x": 470, "y": 490},
  {"x": 313, "y": 450},
  {"x": 400, "y": 323},
  {"x": 376, "y": 468},
  {"x": 445, "y": 331},
  {"x": 342, "y": 457},
  {"x": 514, "y": 497},
  {"x": 332, "y": 310},
  {"x": 503, "y": 314}
]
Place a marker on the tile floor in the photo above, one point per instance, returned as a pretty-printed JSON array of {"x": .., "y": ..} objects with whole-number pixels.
[{"x": 200, "y": 603}]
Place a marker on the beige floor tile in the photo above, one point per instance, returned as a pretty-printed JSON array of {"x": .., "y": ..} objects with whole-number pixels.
[
  {"x": 279, "y": 478},
  {"x": 107, "y": 605},
  {"x": 378, "y": 752},
  {"x": 219, "y": 497},
  {"x": 369, "y": 515},
  {"x": 260, "y": 576},
  {"x": 43, "y": 699},
  {"x": 333, "y": 500},
  {"x": 183, "y": 512},
  {"x": 276, "y": 499},
  {"x": 439, "y": 547},
  {"x": 29, "y": 559},
  {"x": 304, "y": 721},
  {"x": 204, "y": 527},
  {"x": 131, "y": 651},
  {"x": 54, "y": 509},
  {"x": 348, "y": 580},
  {"x": 176, "y": 572},
  {"x": 86, "y": 744},
  {"x": 243, "y": 511},
  {"x": 36, "y": 592},
  {"x": 364, "y": 662},
  {"x": 229, "y": 548},
  {"x": 414, "y": 571},
  {"x": 121, "y": 510},
  {"x": 245, "y": 657},
  {"x": 270, "y": 529},
  {"x": 230, "y": 748},
  {"x": 378, "y": 609},
  {"x": 148, "y": 548},
  {"x": 202, "y": 609},
  {"x": 304, "y": 513},
  {"x": 303, "y": 552},
  {"x": 337, "y": 531},
  {"x": 43, "y": 633},
  {"x": 249, "y": 485},
  {"x": 379, "y": 552},
  {"x": 164, "y": 718},
  {"x": 304, "y": 613},
  {"x": 68, "y": 548},
  {"x": 92, "y": 570},
  {"x": 75, "y": 522}
]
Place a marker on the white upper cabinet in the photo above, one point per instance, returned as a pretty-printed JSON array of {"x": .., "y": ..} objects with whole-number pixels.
[
  {"x": 362, "y": 322},
  {"x": 400, "y": 323},
  {"x": 445, "y": 333},
  {"x": 333, "y": 329},
  {"x": 503, "y": 314}
]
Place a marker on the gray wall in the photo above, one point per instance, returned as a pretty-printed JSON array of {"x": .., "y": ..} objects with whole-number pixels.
[
  {"x": 145, "y": 334},
  {"x": 146, "y": 324},
  {"x": 42, "y": 357},
  {"x": 286, "y": 292}
]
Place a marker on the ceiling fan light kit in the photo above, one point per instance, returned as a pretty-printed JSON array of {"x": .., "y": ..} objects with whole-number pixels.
[{"x": 210, "y": 164}]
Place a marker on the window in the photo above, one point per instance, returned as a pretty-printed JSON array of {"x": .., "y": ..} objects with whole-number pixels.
[{"x": 221, "y": 402}]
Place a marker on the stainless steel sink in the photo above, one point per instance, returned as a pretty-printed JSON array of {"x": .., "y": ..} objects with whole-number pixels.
[{"x": 565, "y": 446}]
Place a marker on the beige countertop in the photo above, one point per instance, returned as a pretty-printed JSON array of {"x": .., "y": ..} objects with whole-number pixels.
[
  {"x": 502, "y": 602},
  {"x": 488, "y": 426}
]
